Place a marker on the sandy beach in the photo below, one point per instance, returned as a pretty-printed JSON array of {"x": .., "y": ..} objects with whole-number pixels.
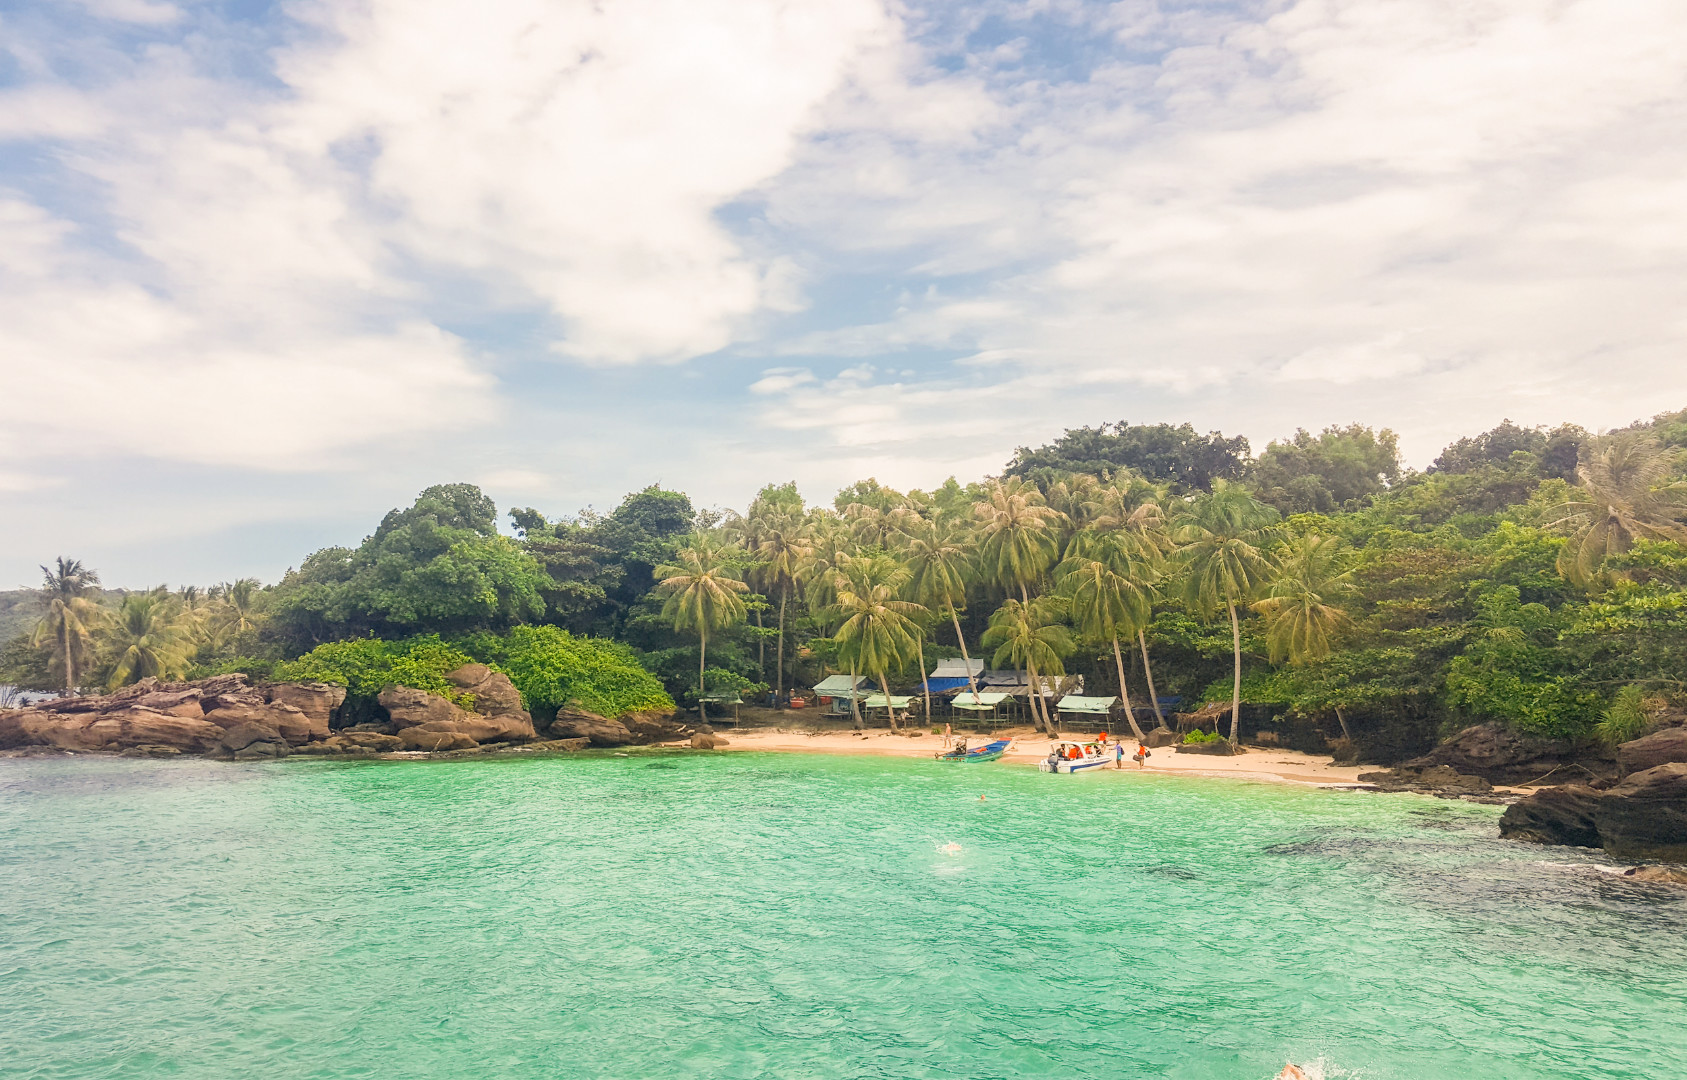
[{"x": 1030, "y": 747}]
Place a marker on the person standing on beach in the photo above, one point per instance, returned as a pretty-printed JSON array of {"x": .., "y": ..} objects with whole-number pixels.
[
  {"x": 1119, "y": 754},
  {"x": 948, "y": 733},
  {"x": 1141, "y": 754}
]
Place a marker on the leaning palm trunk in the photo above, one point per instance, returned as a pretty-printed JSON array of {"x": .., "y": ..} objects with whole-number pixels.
[
  {"x": 925, "y": 677},
  {"x": 702, "y": 660},
  {"x": 890, "y": 710},
  {"x": 779, "y": 661},
  {"x": 1125, "y": 693},
  {"x": 1039, "y": 708},
  {"x": 854, "y": 700},
  {"x": 972, "y": 683},
  {"x": 1346, "y": 734},
  {"x": 1148, "y": 673},
  {"x": 761, "y": 648},
  {"x": 1236, "y": 684}
]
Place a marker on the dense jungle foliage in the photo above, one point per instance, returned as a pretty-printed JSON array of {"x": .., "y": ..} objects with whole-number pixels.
[{"x": 1532, "y": 577}]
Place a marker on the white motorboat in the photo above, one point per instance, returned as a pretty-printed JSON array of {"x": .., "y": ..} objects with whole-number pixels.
[{"x": 1066, "y": 756}]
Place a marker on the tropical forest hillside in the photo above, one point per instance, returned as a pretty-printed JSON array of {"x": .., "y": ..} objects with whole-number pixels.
[{"x": 1532, "y": 577}]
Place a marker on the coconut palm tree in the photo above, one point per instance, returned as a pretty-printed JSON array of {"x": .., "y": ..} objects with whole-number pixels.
[
  {"x": 151, "y": 637},
  {"x": 704, "y": 593},
  {"x": 1028, "y": 634},
  {"x": 876, "y": 629},
  {"x": 1302, "y": 621},
  {"x": 70, "y": 618},
  {"x": 939, "y": 566},
  {"x": 1128, "y": 514},
  {"x": 1625, "y": 494},
  {"x": 1018, "y": 542},
  {"x": 1109, "y": 598},
  {"x": 784, "y": 542},
  {"x": 1224, "y": 533}
]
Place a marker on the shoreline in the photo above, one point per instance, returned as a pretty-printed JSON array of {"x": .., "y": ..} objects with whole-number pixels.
[{"x": 1258, "y": 763}]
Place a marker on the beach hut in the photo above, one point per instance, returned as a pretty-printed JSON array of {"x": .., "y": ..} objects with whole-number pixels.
[
  {"x": 1084, "y": 711},
  {"x": 985, "y": 701},
  {"x": 952, "y": 675},
  {"x": 879, "y": 701},
  {"x": 841, "y": 690}
]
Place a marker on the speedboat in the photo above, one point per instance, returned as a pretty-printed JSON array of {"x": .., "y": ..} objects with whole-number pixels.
[
  {"x": 987, "y": 752},
  {"x": 1070, "y": 757}
]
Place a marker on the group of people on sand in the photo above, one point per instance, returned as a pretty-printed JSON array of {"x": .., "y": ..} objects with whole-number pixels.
[{"x": 1142, "y": 752}]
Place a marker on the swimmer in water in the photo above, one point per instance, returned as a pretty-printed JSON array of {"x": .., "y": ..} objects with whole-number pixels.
[{"x": 1292, "y": 1071}]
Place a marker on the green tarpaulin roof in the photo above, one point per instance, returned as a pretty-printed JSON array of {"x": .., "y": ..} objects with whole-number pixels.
[
  {"x": 985, "y": 699},
  {"x": 1078, "y": 703},
  {"x": 877, "y": 701},
  {"x": 838, "y": 685}
]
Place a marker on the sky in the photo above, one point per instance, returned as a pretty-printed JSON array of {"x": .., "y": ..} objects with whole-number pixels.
[{"x": 267, "y": 269}]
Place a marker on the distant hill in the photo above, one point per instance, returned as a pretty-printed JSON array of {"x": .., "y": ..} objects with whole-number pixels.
[{"x": 18, "y": 612}]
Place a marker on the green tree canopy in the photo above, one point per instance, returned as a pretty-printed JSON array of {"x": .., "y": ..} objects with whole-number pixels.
[
  {"x": 1172, "y": 454},
  {"x": 1319, "y": 473}
]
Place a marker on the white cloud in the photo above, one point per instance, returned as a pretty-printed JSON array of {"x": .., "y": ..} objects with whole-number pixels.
[{"x": 143, "y": 12}]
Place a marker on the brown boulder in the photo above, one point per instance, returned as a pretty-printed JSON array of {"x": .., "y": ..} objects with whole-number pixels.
[
  {"x": 651, "y": 727},
  {"x": 494, "y": 694},
  {"x": 1497, "y": 754},
  {"x": 701, "y": 741},
  {"x": 1667, "y": 875},
  {"x": 175, "y": 702},
  {"x": 116, "y": 730},
  {"x": 1554, "y": 815},
  {"x": 1645, "y": 816},
  {"x": 575, "y": 724},
  {"x": 1158, "y": 737},
  {"x": 1650, "y": 751},
  {"x": 435, "y": 737},
  {"x": 293, "y": 725},
  {"x": 240, "y": 736},
  {"x": 370, "y": 740},
  {"x": 410, "y": 707},
  {"x": 316, "y": 700}
]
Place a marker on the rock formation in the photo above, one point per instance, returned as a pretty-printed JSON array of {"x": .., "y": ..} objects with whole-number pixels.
[
  {"x": 1443, "y": 780},
  {"x": 1645, "y": 816},
  {"x": 1650, "y": 751},
  {"x": 1555, "y": 815},
  {"x": 575, "y": 724},
  {"x": 1500, "y": 755},
  {"x": 441, "y": 725}
]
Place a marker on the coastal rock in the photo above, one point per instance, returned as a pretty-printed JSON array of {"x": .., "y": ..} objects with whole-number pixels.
[
  {"x": 575, "y": 724},
  {"x": 240, "y": 736},
  {"x": 435, "y": 736},
  {"x": 1497, "y": 754},
  {"x": 1220, "y": 748},
  {"x": 701, "y": 741},
  {"x": 292, "y": 724},
  {"x": 316, "y": 700},
  {"x": 145, "y": 750},
  {"x": 409, "y": 708},
  {"x": 1645, "y": 816},
  {"x": 1158, "y": 737},
  {"x": 1555, "y": 815},
  {"x": 1435, "y": 780},
  {"x": 115, "y": 730},
  {"x": 175, "y": 702},
  {"x": 1666, "y": 875},
  {"x": 1650, "y": 751},
  {"x": 651, "y": 727},
  {"x": 369, "y": 740},
  {"x": 494, "y": 694}
]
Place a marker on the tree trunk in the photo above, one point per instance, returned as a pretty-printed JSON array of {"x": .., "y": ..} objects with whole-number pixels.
[
  {"x": 1125, "y": 693},
  {"x": 779, "y": 662},
  {"x": 890, "y": 710},
  {"x": 1148, "y": 674},
  {"x": 702, "y": 659},
  {"x": 761, "y": 648},
  {"x": 1039, "y": 708},
  {"x": 69, "y": 664},
  {"x": 1236, "y": 685},
  {"x": 965, "y": 659},
  {"x": 1346, "y": 734},
  {"x": 925, "y": 678},
  {"x": 854, "y": 701}
]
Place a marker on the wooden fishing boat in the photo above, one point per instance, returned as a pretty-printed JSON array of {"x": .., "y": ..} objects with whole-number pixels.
[{"x": 988, "y": 752}]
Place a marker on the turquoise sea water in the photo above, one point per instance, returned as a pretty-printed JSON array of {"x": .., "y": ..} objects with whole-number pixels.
[{"x": 747, "y": 915}]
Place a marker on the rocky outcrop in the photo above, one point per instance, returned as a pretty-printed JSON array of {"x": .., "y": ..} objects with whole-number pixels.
[
  {"x": 1499, "y": 755},
  {"x": 435, "y": 736},
  {"x": 497, "y": 716},
  {"x": 705, "y": 741},
  {"x": 652, "y": 727},
  {"x": 1665, "y": 875},
  {"x": 253, "y": 742},
  {"x": 1650, "y": 751},
  {"x": 189, "y": 717},
  {"x": 1158, "y": 737},
  {"x": 1645, "y": 816},
  {"x": 318, "y": 701},
  {"x": 1434, "y": 780},
  {"x": 600, "y": 731},
  {"x": 1556, "y": 815},
  {"x": 1220, "y": 748}
]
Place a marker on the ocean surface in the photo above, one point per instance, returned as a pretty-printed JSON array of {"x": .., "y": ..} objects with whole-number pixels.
[{"x": 748, "y": 915}]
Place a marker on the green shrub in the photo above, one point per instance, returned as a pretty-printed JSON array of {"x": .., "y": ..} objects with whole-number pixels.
[
  {"x": 552, "y": 668},
  {"x": 256, "y": 667},
  {"x": 1626, "y": 718},
  {"x": 1197, "y": 737},
  {"x": 365, "y": 665}
]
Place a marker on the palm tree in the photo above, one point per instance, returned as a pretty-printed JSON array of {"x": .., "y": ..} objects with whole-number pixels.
[
  {"x": 239, "y": 605},
  {"x": 1224, "y": 533},
  {"x": 1029, "y": 635},
  {"x": 939, "y": 565},
  {"x": 876, "y": 629},
  {"x": 704, "y": 593},
  {"x": 1017, "y": 542},
  {"x": 70, "y": 617},
  {"x": 1128, "y": 513},
  {"x": 1625, "y": 493},
  {"x": 1301, "y": 621},
  {"x": 784, "y": 542},
  {"x": 1110, "y": 599},
  {"x": 151, "y": 637}
]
